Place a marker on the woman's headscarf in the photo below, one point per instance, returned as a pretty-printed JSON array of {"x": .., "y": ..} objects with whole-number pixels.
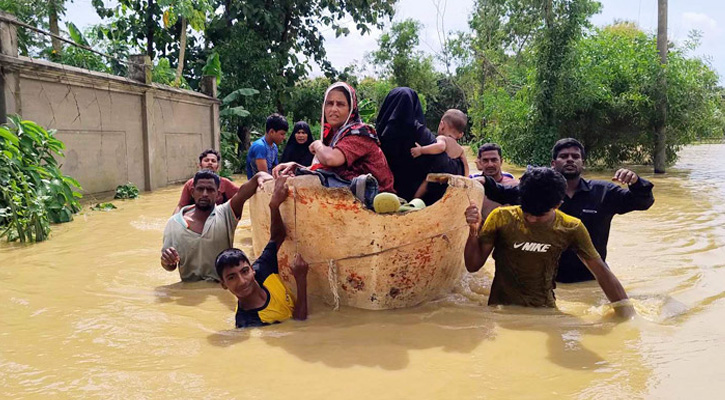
[
  {"x": 299, "y": 153},
  {"x": 401, "y": 125},
  {"x": 352, "y": 126}
]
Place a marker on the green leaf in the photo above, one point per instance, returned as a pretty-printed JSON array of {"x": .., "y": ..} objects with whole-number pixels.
[
  {"x": 76, "y": 34},
  {"x": 234, "y": 112},
  {"x": 235, "y": 95},
  {"x": 104, "y": 207},
  {"x": 7, "y": 135},
  {"x": 213, "y": 67}
]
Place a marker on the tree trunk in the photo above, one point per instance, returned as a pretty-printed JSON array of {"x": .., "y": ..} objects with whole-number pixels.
[
  {"x": 182, "y": 50},
  {"x": 150, "y": 29},
  {"x": 660, "y": 156},
  {"x": 53, "y": 22}
]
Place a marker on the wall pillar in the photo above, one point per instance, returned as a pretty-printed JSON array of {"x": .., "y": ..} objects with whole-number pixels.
[
  {"x": 8, "y": 79},
  {"x": 209, "y": 88},
  {"x": 140, "y": 69},
  {"x": 147, "y": 120}
]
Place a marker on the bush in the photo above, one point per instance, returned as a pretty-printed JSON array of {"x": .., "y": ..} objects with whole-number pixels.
[{"x": 33, "y": 191}]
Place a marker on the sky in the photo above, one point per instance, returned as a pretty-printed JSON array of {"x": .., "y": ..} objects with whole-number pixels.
[{"x": 708, "y": 16}]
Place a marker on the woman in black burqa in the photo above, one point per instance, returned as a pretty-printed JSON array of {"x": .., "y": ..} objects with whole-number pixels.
[
  {"x": 400, "y": 126},
  {"x": 298, "y": 145}
]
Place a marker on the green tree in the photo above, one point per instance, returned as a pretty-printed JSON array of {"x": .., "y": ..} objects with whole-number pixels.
[
  {"x": 41, "y": 14},
  {"x": 403, "y": 65},
  {"x": 186, "y": 12},
  {"x": 137, "y": 22},
  {"x": 610, "y": 100}
]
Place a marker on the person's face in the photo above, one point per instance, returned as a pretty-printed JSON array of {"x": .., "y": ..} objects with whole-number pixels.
[
  {"x": 205, "y": 193},
  {"x": 545, "y": 218},
  {"x": 489, "y": 162},
  {"x": 239, "y": 279},
  {"x": 278, "y": 136},
  {"x": 301, "y": 136},
  {"x": 569, "y": 162},
  {"x": 336, "y": 109},
  {"x": 209, "y": 161}
]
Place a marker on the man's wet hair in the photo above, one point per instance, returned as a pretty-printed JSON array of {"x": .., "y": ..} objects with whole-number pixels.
[
  {"x": 210, "y": 151},
  {"x": 489, "y": 147},
  {"x": 277, "y": 123},
  {"x": 227, "y": 259},
  {"x": 566, "y": 143},
  {"x": 207, "y": 174},
  {"x": 541, "y": 189},
  {"x": 457, "y": 119}
]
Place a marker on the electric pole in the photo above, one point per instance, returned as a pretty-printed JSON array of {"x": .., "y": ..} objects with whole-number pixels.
[{"x": 660, "y": 156}]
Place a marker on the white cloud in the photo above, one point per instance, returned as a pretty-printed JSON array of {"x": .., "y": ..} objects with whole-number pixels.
[{"x": 702, "y": 22}]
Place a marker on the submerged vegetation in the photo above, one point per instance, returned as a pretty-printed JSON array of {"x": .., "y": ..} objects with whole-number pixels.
[
  {"x": 127, "y": 191},
  {"x": 34, "y": 193}
]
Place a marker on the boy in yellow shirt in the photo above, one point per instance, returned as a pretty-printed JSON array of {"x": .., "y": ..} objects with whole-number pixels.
[{"x": 262, "y": 297}]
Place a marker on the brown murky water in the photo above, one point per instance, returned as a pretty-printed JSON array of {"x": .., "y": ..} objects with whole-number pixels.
[{"x": 90, "y": 313}]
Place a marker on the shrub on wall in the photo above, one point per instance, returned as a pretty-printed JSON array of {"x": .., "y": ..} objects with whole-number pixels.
[{"x": 34, "y": 193}]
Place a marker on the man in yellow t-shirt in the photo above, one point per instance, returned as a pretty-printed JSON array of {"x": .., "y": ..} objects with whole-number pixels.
[
  {"x": 262, "y": 298},
  {"x": 527, "y": 241}
]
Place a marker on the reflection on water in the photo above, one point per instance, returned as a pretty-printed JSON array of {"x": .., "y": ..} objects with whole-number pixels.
[{"x": 91, "y": 313}]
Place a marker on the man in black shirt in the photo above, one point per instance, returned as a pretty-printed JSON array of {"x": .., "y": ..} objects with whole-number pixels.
[{"x": 594, "y": 202}]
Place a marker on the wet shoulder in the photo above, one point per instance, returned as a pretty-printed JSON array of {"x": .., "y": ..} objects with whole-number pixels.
[
  {"x": 505, "y": 214},
  {"x": 566, "y": 221}
]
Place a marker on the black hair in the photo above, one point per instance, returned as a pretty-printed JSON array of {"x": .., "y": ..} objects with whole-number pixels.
[
  {"x": 277, "y": 123},
  {"x": 489, "y": 147},
  {"x": 566, "y": 143},
  {"x": 227, "y": 259},
  {"x": 206, "y": 174},
  {"x": 210, "y": 151},
  {"x": 541, "y": 189}
]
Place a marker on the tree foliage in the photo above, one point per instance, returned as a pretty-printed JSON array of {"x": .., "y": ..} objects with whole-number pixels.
[
  {"x": 33, "y": 191},
  {"x": 568, "y": 80},
  {"x": 401, "y": 62}
]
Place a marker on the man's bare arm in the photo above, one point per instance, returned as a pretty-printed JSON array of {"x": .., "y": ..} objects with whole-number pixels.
[
  {"x": 610, "y": 285},
  {"x": 475, "y": 255},
  {"x": 261, "y": 164},
  {"x": 246, "y": 191}
]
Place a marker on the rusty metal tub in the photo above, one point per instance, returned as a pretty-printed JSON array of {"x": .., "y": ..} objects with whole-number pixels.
[{"x": 366, "y": 260}]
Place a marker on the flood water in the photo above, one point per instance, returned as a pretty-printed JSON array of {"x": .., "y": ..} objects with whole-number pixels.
[{"x": 90, "y": 313}]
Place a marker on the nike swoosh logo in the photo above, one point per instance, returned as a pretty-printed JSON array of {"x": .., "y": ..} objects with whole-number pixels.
[{"x": 517, "y": 245}]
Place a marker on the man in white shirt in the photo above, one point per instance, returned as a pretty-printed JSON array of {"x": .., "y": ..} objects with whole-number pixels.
[{"x": 197, "y": 233}]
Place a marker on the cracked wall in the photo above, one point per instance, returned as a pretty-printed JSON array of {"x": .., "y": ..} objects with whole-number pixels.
[{"x": 116, "y": 130}]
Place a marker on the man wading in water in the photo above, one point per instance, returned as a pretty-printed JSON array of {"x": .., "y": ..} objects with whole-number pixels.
[
  {"x": 528, "y": 241},
  {"x": 195, "y": 235},
  {"x": 594, "y": 202}
]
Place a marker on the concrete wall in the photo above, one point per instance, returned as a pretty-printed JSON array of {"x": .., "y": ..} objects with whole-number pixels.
[{"x": 116, "y": 130}]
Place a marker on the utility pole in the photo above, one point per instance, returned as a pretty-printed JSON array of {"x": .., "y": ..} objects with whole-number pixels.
[{"x": 660, "y": 156}]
